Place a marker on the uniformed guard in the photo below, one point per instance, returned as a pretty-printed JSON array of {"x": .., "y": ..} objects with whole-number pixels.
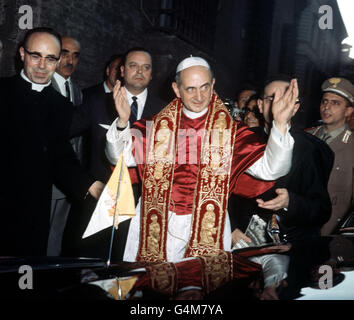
[{"x": 337, "y": 106}]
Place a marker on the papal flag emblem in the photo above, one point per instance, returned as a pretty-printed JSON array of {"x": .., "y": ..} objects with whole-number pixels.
[{"x": 116, "y": 203}]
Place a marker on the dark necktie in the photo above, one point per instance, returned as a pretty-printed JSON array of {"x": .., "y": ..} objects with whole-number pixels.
[
  {"x": 76, "y": 141},
  {"x": 67, "y": 88},
  {"x": 134, "y": 110}
]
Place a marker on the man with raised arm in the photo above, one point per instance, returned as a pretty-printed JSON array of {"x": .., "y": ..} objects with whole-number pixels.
[{"x": 190, "y": 158}]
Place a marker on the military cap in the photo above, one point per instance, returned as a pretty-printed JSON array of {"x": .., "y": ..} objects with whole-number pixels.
[{"x": 341, "y": 87}]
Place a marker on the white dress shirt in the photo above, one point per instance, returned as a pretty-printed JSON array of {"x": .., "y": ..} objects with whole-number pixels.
[
  {"x": 105, "y": 87},
  {"x": 141, "y": 101},
  {"x": 61, "y": 84}
]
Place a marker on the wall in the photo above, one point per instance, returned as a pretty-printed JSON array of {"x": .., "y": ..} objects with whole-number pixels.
[
  {"x": 103, "y": 28},
  {"x": 253, "y": 39}
]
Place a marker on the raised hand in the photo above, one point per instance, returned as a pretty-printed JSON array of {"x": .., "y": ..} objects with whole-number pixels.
[
  {"x": 284, "y": 107},
  {"x": 121, "y": 104}
]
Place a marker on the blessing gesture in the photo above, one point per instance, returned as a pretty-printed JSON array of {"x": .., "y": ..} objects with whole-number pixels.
[
  {"x": 284, "y": 107},
  {"x": 121, "y": 104}
]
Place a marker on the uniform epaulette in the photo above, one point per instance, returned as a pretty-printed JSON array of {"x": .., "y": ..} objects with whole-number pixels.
[
  {"x": 346, "y": 136},
  {"x": 314, "y": 130}
]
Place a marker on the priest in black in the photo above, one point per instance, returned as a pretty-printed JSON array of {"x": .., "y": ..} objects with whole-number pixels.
[
  {"x": 300, "y": 199},
  {"x": 36, "y": 151}
]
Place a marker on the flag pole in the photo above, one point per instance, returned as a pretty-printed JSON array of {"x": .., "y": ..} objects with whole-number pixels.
[{"x": 114, "y": 216}]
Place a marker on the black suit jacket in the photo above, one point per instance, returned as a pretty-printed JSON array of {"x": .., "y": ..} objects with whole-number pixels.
[
  {"x": 309, "y": 202},
  {"x": 93, "y": 118},
  {"x": 77, "y": 141},
  {"x": 76, "y": 94},
  {"x": 36, "y": 153}
]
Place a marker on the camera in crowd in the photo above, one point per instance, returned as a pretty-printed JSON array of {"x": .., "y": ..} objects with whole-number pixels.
[{"x": 234, "y": 111}]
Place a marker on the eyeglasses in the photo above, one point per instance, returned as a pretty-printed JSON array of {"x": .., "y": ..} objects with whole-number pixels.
[
  {"x": 271, "y": 98},
  {"x": 36, "y": 58}
]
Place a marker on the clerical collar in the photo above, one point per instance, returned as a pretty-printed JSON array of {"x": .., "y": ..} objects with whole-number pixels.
[
  {"x": 194, "y": 115},
  {"x": 35, "y": 86},
  {"x": 106, "y": 89}
]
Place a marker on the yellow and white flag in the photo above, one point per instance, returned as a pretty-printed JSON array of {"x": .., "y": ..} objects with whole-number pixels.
[{"x": 115, "y": 203}]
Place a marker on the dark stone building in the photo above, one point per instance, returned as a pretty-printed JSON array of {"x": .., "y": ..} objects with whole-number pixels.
[
  {"x": 245, "y": 41},
  {"x": 285, "y": 37}
]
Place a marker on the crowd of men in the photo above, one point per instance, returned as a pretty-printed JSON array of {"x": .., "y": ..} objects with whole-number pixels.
[
  {"x": 60, "y": 144},
  {"x": 336, "y": 111}
]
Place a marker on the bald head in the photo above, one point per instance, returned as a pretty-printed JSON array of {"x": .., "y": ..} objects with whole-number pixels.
[
  {"x": 265, "y": 104},
  {"x": 40, "y": 54},
  {"x": 48, "y": 31}
]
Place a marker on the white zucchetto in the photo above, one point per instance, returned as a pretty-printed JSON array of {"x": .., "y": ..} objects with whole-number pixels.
[{"x": 192, "y": 62}]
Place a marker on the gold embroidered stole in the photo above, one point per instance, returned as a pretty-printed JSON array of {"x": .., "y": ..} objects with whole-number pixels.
[
  {"x": 157, "y": 182},
  {"x": 212, "y": 187}
]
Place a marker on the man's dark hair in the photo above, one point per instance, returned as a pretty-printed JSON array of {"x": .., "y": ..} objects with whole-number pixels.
[
  {"x": 134, "y": 49},
  {"x": 255, "y": 96},
  {"x": 247, "y": 86},
  {"x": 41, "y": 30},
  {"x": 110, "y": 61}
]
